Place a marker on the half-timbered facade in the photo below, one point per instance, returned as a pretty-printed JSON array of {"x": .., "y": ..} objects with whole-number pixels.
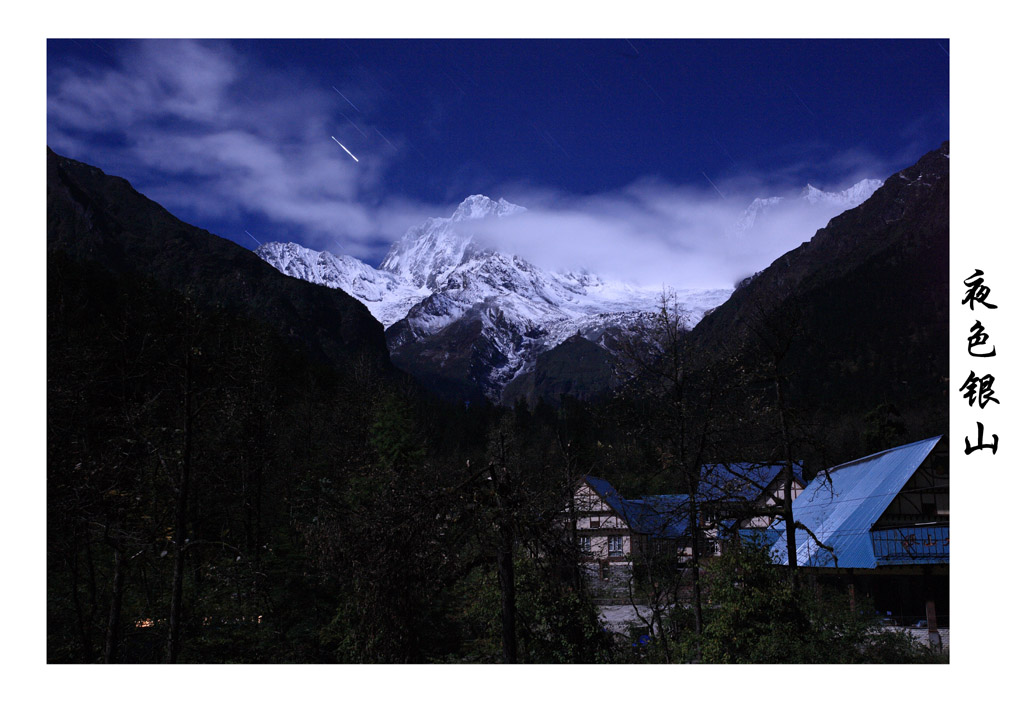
[{"x": 602, "y": 525}]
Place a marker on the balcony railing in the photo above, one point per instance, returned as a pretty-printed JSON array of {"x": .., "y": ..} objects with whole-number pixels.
[{"x": 912, "y": 543}]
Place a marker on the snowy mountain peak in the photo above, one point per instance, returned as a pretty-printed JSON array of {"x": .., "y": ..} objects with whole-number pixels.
[
  {"x": 827, "y": 204},
  {"x": 754, "y": 210},
  {"x": 811, "y": 193},
  {"x": 862, "y": 190},
  {"x": 432, "y": 250},
  {"x": 848, "y": 198},
  {"x": 479, "y": 206}
]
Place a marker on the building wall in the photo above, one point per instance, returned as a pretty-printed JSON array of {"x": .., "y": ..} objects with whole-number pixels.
[
  {"x": 597, "y": 521},
  {"x": 924, "y": 498},
  {"x": 775, "y": 496}
]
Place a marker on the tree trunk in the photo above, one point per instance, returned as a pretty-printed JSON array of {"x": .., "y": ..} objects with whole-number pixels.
[
  {"x": 787, "y": 504},
  {"x": 506, "y": 567},
  {"x": 180, "y": 518},
  {"x": 507, "y": 581},
  {"x": 698, "y": 609},
  {"x": 662, "y": 634},
  {"x": 83, "y": 626},
  {"x": 114, "y": 620}
]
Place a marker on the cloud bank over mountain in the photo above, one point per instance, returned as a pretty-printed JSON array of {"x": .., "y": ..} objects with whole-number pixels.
[{"x": 653, "y": 233}]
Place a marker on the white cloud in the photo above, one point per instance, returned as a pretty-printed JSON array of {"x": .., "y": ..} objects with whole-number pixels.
[
  {"x": 652, "y": 233},
  {"x": 246, "y": 138}
]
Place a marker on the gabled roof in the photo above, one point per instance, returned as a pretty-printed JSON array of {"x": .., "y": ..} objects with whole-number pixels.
[
  {"x": 842, "y": 503},
  {"x": 666, "y": 515},
  {"x": 661, "y": 515},
  {"x": 655, "y": 518},
  {"x": 608, "y": 493},
  {"x": 742, "y": 481}
]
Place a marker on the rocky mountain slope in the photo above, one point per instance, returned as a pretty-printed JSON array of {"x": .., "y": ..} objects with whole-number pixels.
[{"x": 863, "y": 307}]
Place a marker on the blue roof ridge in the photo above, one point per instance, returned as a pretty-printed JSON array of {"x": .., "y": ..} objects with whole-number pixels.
[
  {"x": 842, "y": 516},
  {"x": 866, "y": 458},
  {"x": 757, "y": 464}
]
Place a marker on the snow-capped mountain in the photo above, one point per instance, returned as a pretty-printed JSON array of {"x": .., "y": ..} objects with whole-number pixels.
[
  {"x": 466, "y": 318},
  {"x": 451, "y": 304},
  {"x": 756, "y": 209},
  {"x": 825, "y": 204},
  {"x": 389, "y": 297},
  {"x": 495, "y": 313},
  {"x": 436, "y": 247}
]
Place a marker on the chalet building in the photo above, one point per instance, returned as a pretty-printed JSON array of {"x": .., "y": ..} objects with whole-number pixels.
[
  {"x": 736, "y": 498},
  {"x": 881, "y": 526}
]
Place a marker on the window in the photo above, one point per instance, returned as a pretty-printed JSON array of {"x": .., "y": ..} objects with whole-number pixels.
[
  {"x": 585, "y": 544},
  {"x": 615, "y": 545},
  {"x": 595, "y": 521}
]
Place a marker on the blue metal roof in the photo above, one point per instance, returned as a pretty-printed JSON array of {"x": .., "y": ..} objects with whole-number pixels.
[
  {"x": 662, "y": 515},
  {"x": 667, "y": 515},
  {"x": 842, "y": 503},
  {"x": 762, "y": 537},
  {"x": 605, "y": 490},
  {"x": 611, "y": 497},
  {"x": 741, "y": 481}
]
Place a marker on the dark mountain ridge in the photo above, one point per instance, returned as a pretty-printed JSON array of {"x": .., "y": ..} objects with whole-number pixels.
[
  {"x": 863, "y": 307},
  {"x": 101, "y": 219}
]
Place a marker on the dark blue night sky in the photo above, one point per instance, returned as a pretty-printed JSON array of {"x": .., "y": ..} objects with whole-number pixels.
[{"x": 236, "y": 136}]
